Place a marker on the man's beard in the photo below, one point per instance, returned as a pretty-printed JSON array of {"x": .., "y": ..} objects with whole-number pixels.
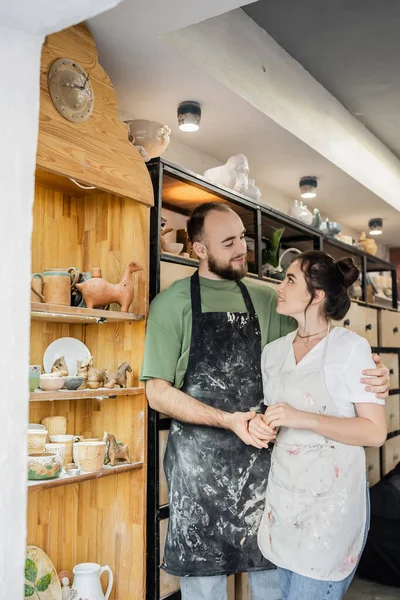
[{"x": 226, "y": 271}]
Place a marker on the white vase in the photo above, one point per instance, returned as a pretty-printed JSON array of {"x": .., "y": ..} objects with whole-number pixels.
[{"x": 299, "y": 211}]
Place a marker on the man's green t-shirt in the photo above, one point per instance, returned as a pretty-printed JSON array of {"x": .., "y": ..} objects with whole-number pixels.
[{"x": 169, "y": 326}]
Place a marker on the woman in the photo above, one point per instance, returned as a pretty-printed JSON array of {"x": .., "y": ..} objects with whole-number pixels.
[{"x": 315, "y": 521}]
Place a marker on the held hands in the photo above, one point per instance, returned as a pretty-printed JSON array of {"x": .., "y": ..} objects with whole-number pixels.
[
  {"x": 283, "y": 415},
  {"x": 378, "y": 381},
  {"x": 239, "y": 423},
  {"x": 261, "y": 432}
]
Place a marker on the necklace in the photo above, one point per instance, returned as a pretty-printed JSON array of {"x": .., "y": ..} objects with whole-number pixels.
[{"x": 303, "y": 337}]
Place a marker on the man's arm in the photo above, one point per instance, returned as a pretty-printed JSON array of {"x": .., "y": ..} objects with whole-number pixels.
[{"x": 163, "y": 397}]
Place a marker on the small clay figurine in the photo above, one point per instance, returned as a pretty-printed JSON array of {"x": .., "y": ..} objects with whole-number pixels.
[
  {"x": 99, "y": 292},
  {"x": 120, "y": 375},
  {"x": 96, "y": 378},
  {"x": 60, "y": 366},
  {"x": 83, "y": 368},
  {"x": 115, "y": 451}
]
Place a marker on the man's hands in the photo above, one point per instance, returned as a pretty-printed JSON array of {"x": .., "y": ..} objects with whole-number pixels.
[
  {"x": 260, "y": 432},
  {"x": 379, "y": 382},
  {"x": 251, "y": 428}
]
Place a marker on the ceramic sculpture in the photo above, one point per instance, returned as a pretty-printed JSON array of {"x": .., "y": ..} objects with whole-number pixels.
[
  {"x": 234, "y": 174},
  {"x": 120, "y": 375},
  {"x": 99, "y": 292},
  {"x": 115, "y": 451}
]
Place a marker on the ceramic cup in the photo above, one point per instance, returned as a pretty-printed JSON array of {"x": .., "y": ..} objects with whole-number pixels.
[
  {"x": 68, "y": 441},
  {"x": 91, "y": 455},
  {"x": 55, "y": 425},
  {"x": 43, "y": 465},
  {"x": 75, "y": 453},
  {"x": 36, "y": 440},
  {"x": 34, "y": 377},
  {"x": 58, "y": 449}
]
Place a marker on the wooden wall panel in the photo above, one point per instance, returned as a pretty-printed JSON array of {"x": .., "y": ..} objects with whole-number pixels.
[
  {"x": 102, "y": 520},
  {"x": 96, "y": 151}
]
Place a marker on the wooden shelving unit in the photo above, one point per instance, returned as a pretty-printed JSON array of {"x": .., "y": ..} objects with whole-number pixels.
[
  {"x": 70, "y": 314},
  {"x": 99, "y": 394},
  {"x": 94, "y": 517},
  {"x": 65, "y": 479}
]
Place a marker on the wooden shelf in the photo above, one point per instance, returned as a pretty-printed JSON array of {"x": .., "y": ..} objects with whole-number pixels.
[
  {"x": 40, "y": 396},
  {"x": 72, "y": 314},
  {"x": 65, "y": 479}
]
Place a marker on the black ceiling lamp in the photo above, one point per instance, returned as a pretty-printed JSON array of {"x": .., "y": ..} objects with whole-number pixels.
[
  {"x": 375, "y": 226},
  {"x": 189, "y": 115},
  {"x": 308, "y": 186}
]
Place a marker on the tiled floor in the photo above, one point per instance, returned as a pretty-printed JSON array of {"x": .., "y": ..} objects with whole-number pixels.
[{"x": 361, "y": 589}]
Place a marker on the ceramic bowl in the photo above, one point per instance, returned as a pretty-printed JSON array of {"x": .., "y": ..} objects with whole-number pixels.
[
  {"x": 173, "y": 248},
  {"x": 72, "y": 383},
  {"x": 51, "y": 383},
  {"x": 36, "y": 440},
  {"x": 43, "y": 465},
  {"x": 36, "y": 426},
  {"x": 151, "y": 135},
  {"x": 330, "y": 227}
]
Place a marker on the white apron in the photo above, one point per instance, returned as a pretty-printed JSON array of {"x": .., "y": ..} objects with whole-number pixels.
[{"x": 315, "y": 513}]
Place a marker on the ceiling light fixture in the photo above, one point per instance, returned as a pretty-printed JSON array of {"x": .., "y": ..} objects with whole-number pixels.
[
  {"x": 308, "y": 187},
  {"x": 189, "y": 115},
  {"x": 375, "y": 226}
]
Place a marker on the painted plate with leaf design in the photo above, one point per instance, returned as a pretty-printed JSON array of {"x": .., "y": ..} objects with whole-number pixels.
[{"x": 41, "y": 579}]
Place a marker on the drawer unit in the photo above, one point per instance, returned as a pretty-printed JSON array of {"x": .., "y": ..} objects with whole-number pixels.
[
  {"x": 392, "y": 408},
  {"x": 362, "y": 320},
  {"x": 390, "y": 329},
  {"x": 372, "y": 464},
  {"x": 391, "y": 454}
]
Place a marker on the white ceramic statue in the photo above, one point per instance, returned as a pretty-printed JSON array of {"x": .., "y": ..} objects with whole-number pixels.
[
  {"x": 234, "y": 174},
  {"x": 253, "y": 191}
]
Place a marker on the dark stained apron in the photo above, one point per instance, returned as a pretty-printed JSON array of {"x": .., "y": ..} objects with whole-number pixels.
[{"x": 216, "y": 483}]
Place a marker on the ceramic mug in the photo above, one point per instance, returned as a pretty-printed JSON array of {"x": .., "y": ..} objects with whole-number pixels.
[
  {"x": 91, "y": 455},
  {"x": 75, "y": 453},
  {"x": 55, "y": 425},
  {"x": 68, "y": 441},
  {"x": 58, "y": 449},
  {"x": 34, "y": 377},
  {"x": 54, "y": 285},
  {"x": 36, "y": 440}
]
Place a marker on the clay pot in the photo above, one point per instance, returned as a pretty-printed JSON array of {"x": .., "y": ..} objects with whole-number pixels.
[
  {"x": 91, "y": 455},
  {"x": 55, "y": 425},
  {"x": 43, "y": 465},
  {"x": 36, "y": 440}
]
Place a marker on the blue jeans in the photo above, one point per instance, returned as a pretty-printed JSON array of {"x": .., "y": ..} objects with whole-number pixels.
[
  {"x": 264, "y": 585},
  {"x": 299, "y": 587}
]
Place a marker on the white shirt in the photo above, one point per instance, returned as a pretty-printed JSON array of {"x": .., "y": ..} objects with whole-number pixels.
[{"x": 347, "y": 356}]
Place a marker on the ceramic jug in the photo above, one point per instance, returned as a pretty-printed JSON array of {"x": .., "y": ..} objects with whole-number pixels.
[
  {"x": 54, "y": 285},
  {"x": 87, "y": 581}
]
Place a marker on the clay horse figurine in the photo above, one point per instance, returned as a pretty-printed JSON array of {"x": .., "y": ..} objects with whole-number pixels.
[{"x": 115, "y": 451}]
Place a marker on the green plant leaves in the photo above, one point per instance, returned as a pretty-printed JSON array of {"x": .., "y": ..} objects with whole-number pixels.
[
  {"x": 29, "y": 591},
  {"x": 30, "y": 570},
  {"x": 43, "y": 583}
]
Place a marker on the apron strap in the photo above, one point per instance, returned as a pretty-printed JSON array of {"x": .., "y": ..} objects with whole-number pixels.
[{"x": 196, "y": 296}]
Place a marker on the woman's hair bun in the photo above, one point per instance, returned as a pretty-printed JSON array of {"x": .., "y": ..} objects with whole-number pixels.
[{"x": 349, "y": 270}]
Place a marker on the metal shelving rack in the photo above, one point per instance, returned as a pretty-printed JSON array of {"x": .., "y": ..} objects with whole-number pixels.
[{"x": 260, "y": 221}]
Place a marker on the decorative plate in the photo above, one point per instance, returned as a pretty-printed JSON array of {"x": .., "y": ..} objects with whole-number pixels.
[
  {"x": 41, "y": 579},
  {"x": 71, "y": 349}
]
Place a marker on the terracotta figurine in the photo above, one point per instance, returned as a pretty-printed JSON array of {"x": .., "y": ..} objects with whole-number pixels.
[
  {"x": 119, "y": 377},
  {"x": 60, "y": 366},
  {"x": 99, "y": 292},
  {"x": 115, "y": 451}
]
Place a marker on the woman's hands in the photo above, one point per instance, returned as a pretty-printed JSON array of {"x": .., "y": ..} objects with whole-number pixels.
[
  {"x": 261, "y": 432},
  {"x": 262, "y": 428},
  {"x": 283, "y": 415}
]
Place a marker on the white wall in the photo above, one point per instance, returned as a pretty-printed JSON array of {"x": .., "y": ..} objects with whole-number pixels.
[{"x": 20, "y": 52}]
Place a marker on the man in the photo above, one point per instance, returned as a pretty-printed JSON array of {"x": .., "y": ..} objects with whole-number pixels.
[{"x": 202, "y": 367}]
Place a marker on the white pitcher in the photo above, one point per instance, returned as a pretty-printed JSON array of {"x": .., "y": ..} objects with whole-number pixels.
[{"x": 87, "y": 581}]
